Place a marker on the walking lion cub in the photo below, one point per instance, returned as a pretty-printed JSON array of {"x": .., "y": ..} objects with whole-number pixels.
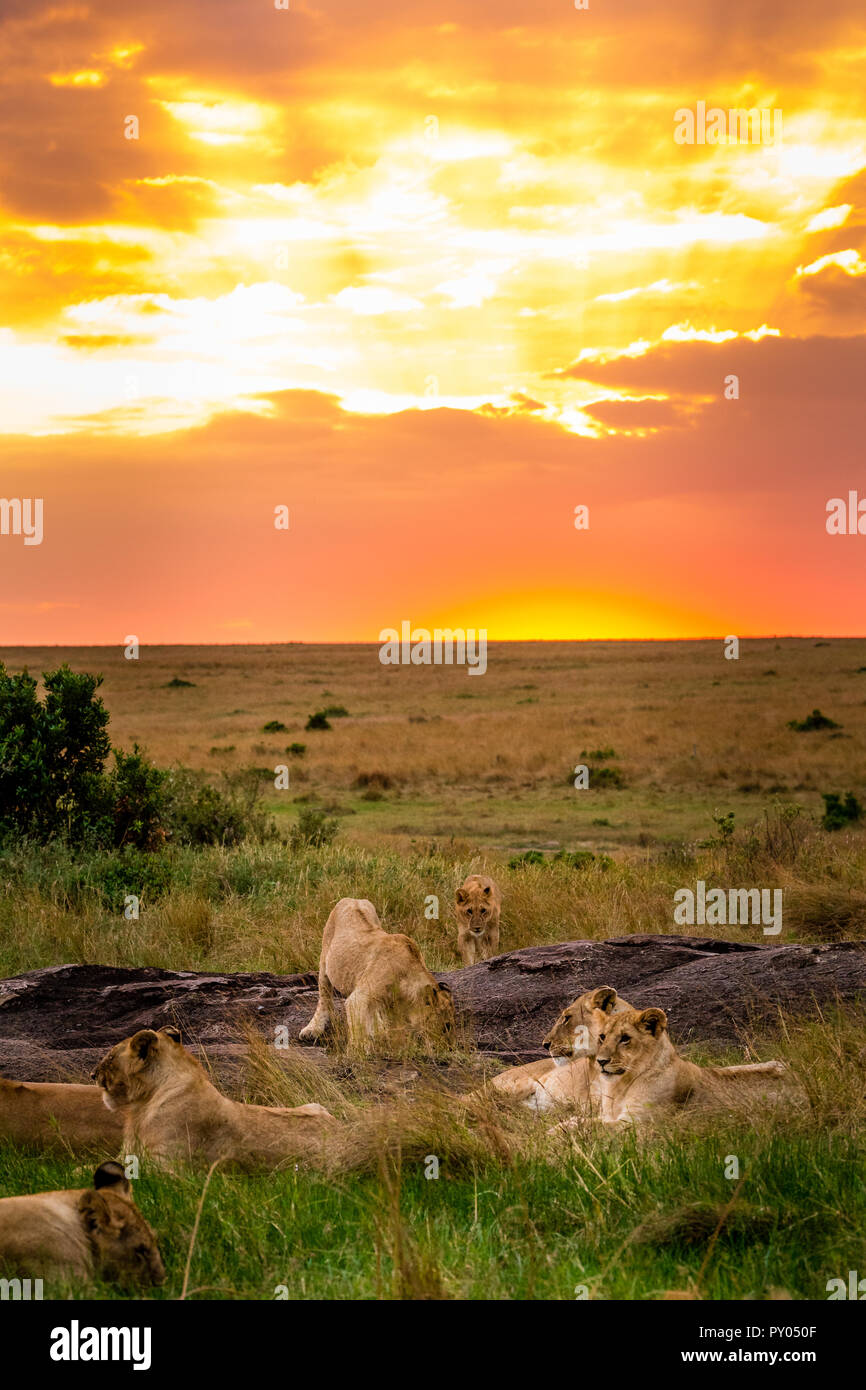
[
  {"x": 80, "y": 1232},
  {"x": 478, "y": 903},
  {"x": 387, "y": 987},
  {"x": 170, "y": 1109}
]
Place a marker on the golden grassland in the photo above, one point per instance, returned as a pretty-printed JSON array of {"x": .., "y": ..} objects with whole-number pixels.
[
  {"x": 433, "y": 752},
  {"x": 435, "y": 774}
]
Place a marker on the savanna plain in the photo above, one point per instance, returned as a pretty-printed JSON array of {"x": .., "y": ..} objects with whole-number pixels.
[{"x": 400, "y": 782}]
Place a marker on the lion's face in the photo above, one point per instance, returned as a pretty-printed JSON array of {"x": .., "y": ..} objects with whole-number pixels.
[
  {"x": 124, "y": 1247},
  {"x": 631, "y": 1041},
  {"x": 433, "y": 1013},
  {"x": 474, "y": 908},
  {"x": 575, "y": 1032},
  {"x": 129, "y": 1072}
]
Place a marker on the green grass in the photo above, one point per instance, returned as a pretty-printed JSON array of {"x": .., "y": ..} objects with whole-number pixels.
[
  {"x": 518, "y": 1212},
  {"x": 263, "y": 907},
  {"x": 536, "y": 1230}
]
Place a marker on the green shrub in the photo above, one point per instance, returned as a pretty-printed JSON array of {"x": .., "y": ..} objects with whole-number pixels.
[
  {"x": 274, "y": 726},
  {"x": 605, "y": 777},
  {"x": 296, "y": 750},
  {"x": 838, "y": 811},
  {"x": 199, "y": 813},
  {"x": 177, "y": 684},
  {"x": 52, "y": 756},
  {"x": 336, "y": 711},
  {"x": 138, "y": 801},
  {"x": 313, "y": 829},
  {"x": 815, "y": 720},
  {"x": 319, "y": 720}
]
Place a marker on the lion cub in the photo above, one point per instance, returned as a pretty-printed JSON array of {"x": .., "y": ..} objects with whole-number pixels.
[
  {"x": 171, "y": 1110},
  {"x": 641, "y": 1072},
  {"x": 478, "y": 904},
  {"x": 80, "y": 1233},
  {"x": 387, "y": 987},
  {"x": 57, "y": 1116},
  {"x": 567, "y": 1076}
]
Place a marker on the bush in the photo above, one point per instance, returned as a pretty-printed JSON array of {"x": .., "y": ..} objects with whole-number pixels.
[
  {"x": 296, "y": 750},
  {"x": 815, "y": 720},
  {"x": 529, "y": 856},
  {"x": 274, "y": 726},
  {"x": 575, "y": 859},
  {"x": 138, "y": 796},
  {"x": 319, "y": 720},
  {"x": 177, "y": 684},
  {"x": 199, "y": 813},
  {"x": 605, "y": 777},
  {"x": 336, "y": 711},
  {"x": 313, "y": 829},
  {"x": 839, "y": 812},
  {"x": 52, "y": 756},
  {"x": 581, "y": 859}
]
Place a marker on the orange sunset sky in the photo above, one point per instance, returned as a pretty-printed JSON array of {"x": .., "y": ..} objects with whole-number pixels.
[{"x": 431, "y": 274}]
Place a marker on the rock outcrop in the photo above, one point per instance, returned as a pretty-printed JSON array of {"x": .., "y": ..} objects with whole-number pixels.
[{"x": 56, "y": 1023}]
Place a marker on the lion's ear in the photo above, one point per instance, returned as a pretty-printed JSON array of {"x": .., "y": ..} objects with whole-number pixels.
[
  {"x": 110, "y": 1175},
  {"x": 171, "y": 1032},
  {"x": 603, "y": 998},
  {"x": 461, "y": 896},
  {"x": 429, "y": 995},
  {"x": 653, "y": 1021},
  {"x": 443, "y": 988},
  {"x": 94, "y": 1211},
  {"x": 142, "y": 1043},
  {"x": 487, "y": 889}
]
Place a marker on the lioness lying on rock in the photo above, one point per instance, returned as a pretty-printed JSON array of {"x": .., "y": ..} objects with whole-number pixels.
[
  {"x": 80, "y": 1233},
  {"x": 57, "y": 1116},
  {"x": 568, "y": 1075},
  {"x": 641, "y": 1073},
  {"x": 387, "y": 987},
  {"x": 478, "y": 903},
  {"x": 170, "y": 1110}
]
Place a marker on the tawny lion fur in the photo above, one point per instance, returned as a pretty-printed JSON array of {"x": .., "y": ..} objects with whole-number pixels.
[{"x": 389, "y": 991}]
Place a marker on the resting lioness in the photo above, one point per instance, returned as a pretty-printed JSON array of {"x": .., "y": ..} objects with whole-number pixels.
[
  {"x": 567, "y": 1076},
  {"x": 80, "y": 1233},
  {"x": 641, "y": 1073},
  {"x": 387, "y": 987},
  {"x": 170, "y": 1110},
  {"x": 478, "y": 904},
  {"x": 54, "y": 1115}
]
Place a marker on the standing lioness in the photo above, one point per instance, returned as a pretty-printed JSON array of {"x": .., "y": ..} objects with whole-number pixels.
[
  {"x": 478, "y": 904},
  {"x": 171, "y": 1110},
  {"x": 80, "y": 1232},
  {"x": 382, "y": 977}
]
